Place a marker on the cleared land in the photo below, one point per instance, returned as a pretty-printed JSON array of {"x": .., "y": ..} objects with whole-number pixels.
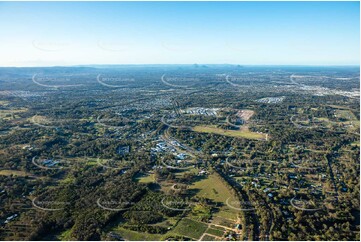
[
  {"x": 144, "y": 178},
  {"x": 345, "y": 114},
  {"x": 137, "y": 236},
  {"x": 14, "y": 173},
  {"x": 214, "y": 189},
  {"x": 11, "y": 114},
  {"x": 190, "y": 228},
  {"x": 209, "y": 238},
  {"x": 215, "y": 232},
  {"x": 243, "y": 133},
  {"x": 245, "y": 114}
]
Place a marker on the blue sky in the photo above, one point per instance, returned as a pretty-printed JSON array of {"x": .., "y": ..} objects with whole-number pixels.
[{"x": 248, "y": 33}]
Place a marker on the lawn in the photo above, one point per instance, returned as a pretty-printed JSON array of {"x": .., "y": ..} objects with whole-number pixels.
[{"x": 243, "y": 133}]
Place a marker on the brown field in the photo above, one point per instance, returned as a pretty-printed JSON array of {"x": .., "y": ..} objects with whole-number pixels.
[{"x": 245, "y": 114}]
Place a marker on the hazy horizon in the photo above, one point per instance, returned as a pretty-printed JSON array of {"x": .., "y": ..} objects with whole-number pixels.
[{"x": 183, "y": 64}]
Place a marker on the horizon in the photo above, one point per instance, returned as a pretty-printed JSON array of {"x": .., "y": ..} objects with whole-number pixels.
[
  {"x": 177, "y": 33},
  {"x": 176, "y": 64}
]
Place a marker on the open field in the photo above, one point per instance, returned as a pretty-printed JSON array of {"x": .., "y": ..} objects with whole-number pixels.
[
  {"x": 144, "y": 178},
  {"x": 345, "y": 114},
  {"x": 356, "y": 144},
  {"x": 65, "y": 236},
  {"x": 208, "y": 238},
  {"x": 222, "y": 221},
  {"x": 11, "y": 114},
  {"x": 243, "y": 133},
  {"x": 213, "y": 188},
  {"x": 14, "y": 173},
  {"x": 190, "y": 228},
  {"x": 134, "y": 235},
  {"x": 340, "y": 107},
  {"x": 245, "y": 114},
  {"x": 215, "y": 232},
  {"x": 4, "y": 103}
]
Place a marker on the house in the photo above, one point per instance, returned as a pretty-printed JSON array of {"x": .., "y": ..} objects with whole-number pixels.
[
  {"x": 122, "y": 150},
  {"x": 115, "y": 236},
  {"x": 28, "y": 147},
  {"x": 173, "y": 142},
  {"x": 202, "y": 172},
  {"x": 8, "y": 219},
  {"x": 292, "y": 176},
  {"x": 181, "y": 156}
]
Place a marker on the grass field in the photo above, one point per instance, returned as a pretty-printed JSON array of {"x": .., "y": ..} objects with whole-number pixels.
[
  {"x": 356, "y": 143},
  {"x": 209, "y": 238},
  {"x": 138, "y": 236},
  {"x": 214, "y": 189},
  {"x": 4, "y": 103},
  {"x": 11, "y": 114},
  {"x": 340, "y": 107},
  {"x": 346, "y": 114},
  {"x": 144, "y": 178},
  {"x": 215, "y": 232},
  {"x": 68, "y": 180},
  {"x": 243, "y": 133},
  {"x": 14, "y": 173},
  {"x": 190, "y": 228},
  {"x": 65, "y": 236},
  {"x": 223, "y": 222}
]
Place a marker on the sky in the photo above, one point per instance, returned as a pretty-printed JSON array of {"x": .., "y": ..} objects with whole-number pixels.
[{"x": 246, "y": 33}]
